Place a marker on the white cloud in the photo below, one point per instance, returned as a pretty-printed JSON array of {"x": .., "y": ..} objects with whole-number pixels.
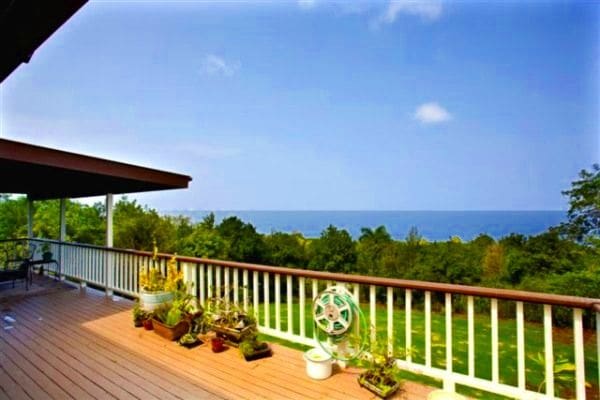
[
  {"x": 432, "y": 113},
  {"x": 306, "y": 4},
  {"x": 426, "y": 9},
  {"x": 215, "y": 65}
]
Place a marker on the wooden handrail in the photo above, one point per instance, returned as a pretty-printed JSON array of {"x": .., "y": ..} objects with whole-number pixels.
[{"x": 503, "y": 294}]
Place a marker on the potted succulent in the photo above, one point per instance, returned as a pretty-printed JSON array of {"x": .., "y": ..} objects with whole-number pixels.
[
  {"x": 217, "y": 344},
  {"x": 228, "y": 321},
  {"x": 156, "y": 289},
  {"x": 380, "y": 376},
  {"x": 189, "y": 340},
  {"x": 46, "y": 252},
  {"x": 253, "y": 349}
]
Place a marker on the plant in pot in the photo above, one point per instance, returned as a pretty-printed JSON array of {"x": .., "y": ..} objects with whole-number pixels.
[
  {"x": 217, "y": 344},
  {"x": 253, "y": 349},
  {"x": 156, "y": 289},
  {"x": 172, "y": 320},
  {"x": 189, "y": 340},
  {"x": 229, "y": 321},
  {"x": 46, "y": 252},
  {"x": 139, "y": 315},
  {"x": 380, "y": 375}
]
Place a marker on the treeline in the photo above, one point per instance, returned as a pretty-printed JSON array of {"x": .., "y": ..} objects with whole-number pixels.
[{"x": 564, "y": 259}]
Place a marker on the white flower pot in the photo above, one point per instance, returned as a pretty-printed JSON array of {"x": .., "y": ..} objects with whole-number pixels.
[
  {"x": 150, "y": 300},
  {"x": 318, "y": 364}
]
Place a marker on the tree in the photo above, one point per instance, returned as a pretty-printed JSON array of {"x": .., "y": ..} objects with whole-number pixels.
[
  {"x": 584, "y": 206},
  {"x": 370, "y": 248},
  {"x": 244, "y": 243},
  {"x": 13, "y": 217},
  {"x": 333, "y": 251},
  {"x": 285, "y": 249}
]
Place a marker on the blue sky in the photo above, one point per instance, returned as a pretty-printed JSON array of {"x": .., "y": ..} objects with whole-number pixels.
[{"x": 323, "y": 105}]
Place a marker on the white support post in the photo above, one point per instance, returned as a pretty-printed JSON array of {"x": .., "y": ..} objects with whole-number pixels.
[
  {"x": 63, "y": 233},
  {"x": 108, "y": 265}
]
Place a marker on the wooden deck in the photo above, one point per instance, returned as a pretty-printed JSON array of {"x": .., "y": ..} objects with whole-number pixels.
[{"x": 79, "y": 344}]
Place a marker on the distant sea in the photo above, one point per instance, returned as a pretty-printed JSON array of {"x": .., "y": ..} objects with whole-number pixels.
[{"x": 433, "y": 225}]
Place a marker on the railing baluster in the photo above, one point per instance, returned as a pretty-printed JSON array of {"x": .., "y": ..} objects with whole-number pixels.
[
  {"x": 356, "y": 293},
  {"x": 372, "y": 316},
  {"x": 448, "y": 381},
  {"x": 255, "y": 294},
  {"x": 278, "y": 302},
  {"x": 209, "y": 282},
  {"x": 520, "y": 346},
  {"x": 245, "y": 288},
  {"x": 471, "y": 334},
  {"x": 548, "y": 350},
  {"x": 218, "y": 284},
  {"x": 202, "y": 284},
  {"x": 579, "y": 356},
  {"x": 266, "y": 300},
  {"x": 390, "y": 320},
  {"x": 315, "y": 292},
  {"x": 494, "y": 318},
  {"x": 236, "y": 283},
  {"x": 302, "y": 301},
  {"x": 290, "y": 316},
  {"x": 408, "y": 324},
  {"x": 226, "y": 285},
  {"x": 428, "y": 329}
]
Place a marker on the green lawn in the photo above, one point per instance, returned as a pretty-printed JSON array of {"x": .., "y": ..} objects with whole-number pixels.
[{"x": 534, "y": 343}]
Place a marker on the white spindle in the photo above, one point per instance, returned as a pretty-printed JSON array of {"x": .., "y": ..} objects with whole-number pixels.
[
  {"x": 189, "y": 276},
  {"x": 408, "y": 323},
  {"x": 245, "y": 288},
  {"x": 266, "y": 299},
  {"x": 520, "y": 346},
  {"x": 494, "y": 318},
  {"x": 278, "y": 302},
  {"x": 315, "y": 289},
  {"x": 209, "y": 283},
  {"x": 226, "y": 285},
  {"x": 202, "y": 285},
  {"x": 255, "y": 294},
  {"x": 302, "y": 301},
  {"x": 356, "y": 293},
  {"x": 448, "y": 382},
  {"x": 548, "y": 350},
  {"x": 471, "y": 335},
  {"x": 236, "y": 284},
  {"x": 290, "y": 326},
  {"x": 579, "y": 357},
  {"x": 390, "y": 320},
  {"x": 372, "y": 316},
  {"x": 428, "y": 329},
  {"x": 218, "y": 284}
]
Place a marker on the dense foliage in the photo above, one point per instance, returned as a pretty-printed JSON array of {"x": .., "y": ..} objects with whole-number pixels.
[{"x": 562, "y": 260}]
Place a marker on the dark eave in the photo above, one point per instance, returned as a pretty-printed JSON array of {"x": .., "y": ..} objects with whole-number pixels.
[
  {"x": 44, "y": 173},
  {"x": 26, "y": 24}
]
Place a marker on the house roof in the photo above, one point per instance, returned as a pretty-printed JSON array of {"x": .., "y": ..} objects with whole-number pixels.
[
  {"x": 25, "y": 25},
  {"x": 44, "y": 173}
]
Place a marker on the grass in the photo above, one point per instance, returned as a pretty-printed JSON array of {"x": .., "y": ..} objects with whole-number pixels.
[{"x": 534, "y": 344}]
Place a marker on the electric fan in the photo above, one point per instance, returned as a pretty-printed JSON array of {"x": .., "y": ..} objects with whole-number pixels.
[{"x": 340, "y": 326}]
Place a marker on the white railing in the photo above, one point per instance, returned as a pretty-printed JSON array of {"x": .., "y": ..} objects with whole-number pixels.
[{"x": 431, "y": 341}]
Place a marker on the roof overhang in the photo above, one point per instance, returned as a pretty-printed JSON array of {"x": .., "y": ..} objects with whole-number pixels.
[
  {"x": 25, "y": 25},
  {"x": 44, "y": 173}
]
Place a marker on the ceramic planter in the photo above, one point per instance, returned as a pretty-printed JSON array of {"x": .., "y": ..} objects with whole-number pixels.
[
  {"x": 318, "y": 364},
  {"x": 171, "y": 332},
  {"x": 383, "y": 393},
  {"x": 150, "y": 300}
]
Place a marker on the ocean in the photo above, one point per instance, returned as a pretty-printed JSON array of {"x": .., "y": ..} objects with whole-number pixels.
[{"x": 433, "y": 225}]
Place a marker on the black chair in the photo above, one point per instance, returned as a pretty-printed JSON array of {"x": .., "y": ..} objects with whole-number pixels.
[{"x": 17, "y": 266}]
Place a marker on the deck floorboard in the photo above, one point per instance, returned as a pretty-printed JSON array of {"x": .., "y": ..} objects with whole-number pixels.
[{"x": 79, "y": 344}]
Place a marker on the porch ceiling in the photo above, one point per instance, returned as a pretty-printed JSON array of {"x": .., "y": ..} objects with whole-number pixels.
[{"x": 44, "y": 173}]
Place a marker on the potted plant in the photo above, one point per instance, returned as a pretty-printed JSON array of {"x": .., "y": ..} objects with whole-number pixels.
[
  {"x": 46, "y": 252},
  {"x": 228, "y": 321},
  {"x": 380, "y": 376},
  {"x": 156, "y": 289},
  {"x": 217, "y": 344},
  {"x": 189, "y": 341},
  {"x": 139, "y": 315},
  {"x": 253, "y": 349},
  {"x": 172, "y": 320},
  {"x": 147, "y": 323}
]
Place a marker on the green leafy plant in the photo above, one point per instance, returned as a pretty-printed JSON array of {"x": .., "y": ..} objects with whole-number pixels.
[
  {"x": 563, "y": 371},
  {"x": 381, "y": 370},
  {"x": 188, "y": 338},
  {"x": 139, "y": 314},
  {"x": 172, "y": 313}
]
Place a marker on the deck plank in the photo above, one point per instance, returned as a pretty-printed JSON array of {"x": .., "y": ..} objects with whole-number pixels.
[{"x": 76, "y": 335}]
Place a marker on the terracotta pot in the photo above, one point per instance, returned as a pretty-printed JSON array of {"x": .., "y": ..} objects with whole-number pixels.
[
  {"x": 217, "y": 345},
  {"x": 148, "y": 325},
  {"x": 171, "y": 332}
]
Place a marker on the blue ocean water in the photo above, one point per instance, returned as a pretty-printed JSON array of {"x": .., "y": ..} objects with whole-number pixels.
[{"x": 433, "y": 225}]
